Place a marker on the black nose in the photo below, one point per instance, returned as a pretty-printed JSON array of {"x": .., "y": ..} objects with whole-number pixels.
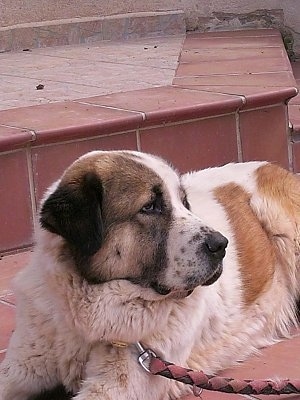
[{"x": 215, "y": 245}]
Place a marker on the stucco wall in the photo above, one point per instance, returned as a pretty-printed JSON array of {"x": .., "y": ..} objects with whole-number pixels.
[{"x": 201, "y": 14}]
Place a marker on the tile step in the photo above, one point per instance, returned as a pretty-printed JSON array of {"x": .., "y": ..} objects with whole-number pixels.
[
  {"x": 227, "y": 102},
  {"x": 90, "y": 29}
]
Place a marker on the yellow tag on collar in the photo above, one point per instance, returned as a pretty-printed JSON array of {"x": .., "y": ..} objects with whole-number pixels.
[{"x": 120, "y": 345}]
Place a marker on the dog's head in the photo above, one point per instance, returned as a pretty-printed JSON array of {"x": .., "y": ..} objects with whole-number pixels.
[{"x": 125, "y": 215}]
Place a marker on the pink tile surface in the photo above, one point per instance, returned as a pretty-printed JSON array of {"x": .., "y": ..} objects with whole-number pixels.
[
  {"x": 255, "y": 33},
  {"x": 239, "y": 66},
  {"x": 169, "y": 104},
  {"x": 296, "y": 69},
  {"x": 194, "y": 145},
  {"x": 15, "y": 205},
  {"x": 228, "y": 72},
  {"x": 265, "y": 79},
  {"x": 69, "y": 120},
  {"x": 210, "y": 395},
  {"x": 2, "y": 355},
  {"x": 7, "y": 323},
  {"x": 10, "y": 265},
  {"x": 294, "y": 114},
  {"x": 254, "y": 96},
  {"x": 210, "y": 55},
  {"x": 14, "y": 137},
  {"x": 49, "y": 162},
  {"x": 295, "y": 100},
  {"x": 296, "y": 156},
  {"x": 236, "y": 41},
  {"x": 264, "y": 135}
]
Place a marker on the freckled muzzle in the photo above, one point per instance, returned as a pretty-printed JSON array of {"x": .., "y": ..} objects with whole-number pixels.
[{"x": 195, "y": 254}]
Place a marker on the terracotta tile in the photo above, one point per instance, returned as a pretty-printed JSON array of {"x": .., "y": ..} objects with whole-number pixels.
[
  {"x": 284, "y": 78},
  {"x": 295, "y": 100},
  {"x": 50, "y": 162},
  {"x": 7, "y": 324},
  {"x": 269, "y": 97},
  {"x": 210, "y": 395},
  {"x": 294, "y": 115},
  {"x": 204, "y": 42},
  {"x": 194, "y": 145},
  {"x": 269, "y": 363},
  {"x": 9, "y": 266},
  {"x": 11, "y": 138},
  {"x": 296, "y": 69},
  {"x": 237, "y": 33},
  {"x": 2, "y": 355},
  {"x": 15, "y": 205},
  {"x": 264, "y": 135},
  {"x": 169, "y": 104},
  {"x": 296, "y": 156},
  {"x": 255, "y": 96},
  {"x": 69, "y": 120},
  {"x": 242, "y": 66},
  {"x": 275, "y": 361},
  {"x": 209, "y": 55}
]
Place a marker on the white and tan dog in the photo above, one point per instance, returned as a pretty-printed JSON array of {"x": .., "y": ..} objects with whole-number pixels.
[{"x": 129, "y": 251}]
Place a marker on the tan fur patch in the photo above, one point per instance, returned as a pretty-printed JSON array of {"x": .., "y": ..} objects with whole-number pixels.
[
  {"x": 127, "y": 183},
  {"x": 255, "y": 251},
  {"x": 281, "y": 186}
]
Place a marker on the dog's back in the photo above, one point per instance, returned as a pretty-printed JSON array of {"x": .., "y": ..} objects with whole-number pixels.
[{"x": 256, "y": 206}]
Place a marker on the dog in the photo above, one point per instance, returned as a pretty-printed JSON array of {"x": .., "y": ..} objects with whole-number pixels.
[{"x": 194, "y": 267}]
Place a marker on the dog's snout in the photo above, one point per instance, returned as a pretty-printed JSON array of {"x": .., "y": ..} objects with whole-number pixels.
[{"x": 215, "y": 245}]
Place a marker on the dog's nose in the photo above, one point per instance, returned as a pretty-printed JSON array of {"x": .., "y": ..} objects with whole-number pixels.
[{"x": 215, "y": 245}]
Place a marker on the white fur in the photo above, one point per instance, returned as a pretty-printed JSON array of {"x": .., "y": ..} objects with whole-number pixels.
[{"x": 67, "y": 325}]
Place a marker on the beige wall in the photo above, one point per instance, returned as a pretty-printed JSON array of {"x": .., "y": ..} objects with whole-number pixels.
[{"x": 201, "y": 14}]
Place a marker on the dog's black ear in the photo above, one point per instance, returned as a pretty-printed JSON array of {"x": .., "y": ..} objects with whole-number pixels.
[{"x": 73, "y": 211}]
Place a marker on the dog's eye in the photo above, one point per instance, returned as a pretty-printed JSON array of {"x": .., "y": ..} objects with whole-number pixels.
[
  {"x": 186, "y": 203},
  {"x": 153, "y": 207}
]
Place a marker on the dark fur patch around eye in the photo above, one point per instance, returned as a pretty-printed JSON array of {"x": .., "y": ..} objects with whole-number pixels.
[{"x": 73, "y": 211}]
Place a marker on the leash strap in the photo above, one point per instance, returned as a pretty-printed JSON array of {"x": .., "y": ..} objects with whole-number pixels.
[{"x": 198, "y": 379}]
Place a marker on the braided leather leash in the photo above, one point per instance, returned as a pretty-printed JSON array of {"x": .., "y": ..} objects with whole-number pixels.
[{"x": 198, "y": 379}]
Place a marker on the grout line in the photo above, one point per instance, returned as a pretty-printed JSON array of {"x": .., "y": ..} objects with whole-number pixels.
[
  {"x": 138, "y": 140},
  {"x": 233, "y": 74},
  {"x": 84, "y": 139},
  {"x": 261, "y": 107},
  {"x": 31, "y": 186},
  {"x": 111, "y": 108},
  {"x": 238, "y": 137},
  {"x": 289, "y": 142}
]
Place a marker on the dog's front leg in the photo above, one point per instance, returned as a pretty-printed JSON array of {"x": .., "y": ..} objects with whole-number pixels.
[{"x": 114, "y": 374}]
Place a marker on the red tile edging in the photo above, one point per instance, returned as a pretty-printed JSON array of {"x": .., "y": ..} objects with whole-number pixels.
[
  {"x": 205, "y": 95},
  {"x": 200, "y": 120}
]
